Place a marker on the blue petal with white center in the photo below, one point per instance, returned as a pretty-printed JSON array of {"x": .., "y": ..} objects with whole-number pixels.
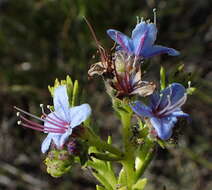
[
  {"x": 63, "y": 119},
  {"x": 141, "y": 42},
  {"x": 164, "y": 109}
]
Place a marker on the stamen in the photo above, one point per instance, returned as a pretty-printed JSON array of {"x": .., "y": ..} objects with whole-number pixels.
[
  {"x": 29, "y": 114},
  {"x": 155, "y": 15},
  {"x": 148, "y": 21},
  {"x": 49, "y": 108},
  {"x": 176, "y": 105},
  {"x": 159, "y": 101},
  {"x": 54, "y": 120},
  {"x": 167, "y": 106},
  {"x": 42, "y": 109},
  {"x": 55, "y": 123},
  {"x": 38, "y": 127}
]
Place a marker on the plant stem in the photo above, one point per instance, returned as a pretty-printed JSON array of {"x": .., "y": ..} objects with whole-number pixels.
[
  {"x": 145, "y": 161},
  {"x": 128, "y": 162}
]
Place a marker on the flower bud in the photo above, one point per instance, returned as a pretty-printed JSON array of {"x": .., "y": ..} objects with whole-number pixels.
[{"x": 58, "y": 162}]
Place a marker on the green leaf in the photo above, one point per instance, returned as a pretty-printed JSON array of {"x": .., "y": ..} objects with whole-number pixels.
[
  {"x": 102, "y": 180},
  {"x": 122, "y": 177},
  {"x": 98, "y": 187},
  {"x": 140, "y": 184}
]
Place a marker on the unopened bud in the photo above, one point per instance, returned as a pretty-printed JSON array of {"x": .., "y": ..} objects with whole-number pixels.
[{"x": 59, "y": 162}]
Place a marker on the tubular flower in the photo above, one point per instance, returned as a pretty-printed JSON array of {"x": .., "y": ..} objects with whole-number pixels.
[
  {"x": 141, "y": 42},
  {"x": 58, "y": 123},
  {"x": 127, "y": 76},
  {"x": 164, "y": 109}
]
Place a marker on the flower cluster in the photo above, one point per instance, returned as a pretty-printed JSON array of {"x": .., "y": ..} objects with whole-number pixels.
[
  {"x": 126, "y": 78},
  {"x": 70, "y": 139}
]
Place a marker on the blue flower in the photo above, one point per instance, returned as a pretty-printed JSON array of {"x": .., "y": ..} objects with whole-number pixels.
[
  {"x": 164, "y": 109},
  {"x": 141, "y": 42},
  {"x": 60, "y": 122}
]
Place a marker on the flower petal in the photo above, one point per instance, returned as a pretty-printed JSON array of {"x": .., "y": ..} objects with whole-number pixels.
[
  {"x": 179, "y": 114},
  {"x": 46, "y": 143},
  {"x": 124, "y": 41},
  {"x": 65, "y": 136},
  {"x": 178, "y": 92},
  {"x": 157, "y": 49},
  {"x": 172, "y": 95},
  {"x": 79, "y": 114},
  {"x": 61, "y": 102},
  {"x": 140, "y": 109},
  {"x": 163, "y": 126},
  {"x": 154, "y": 100},
  {"x": 54, "y": 120},
  {"x": 144, "y": 88},
  {"x": 56, "y": 139},
  {"x": 143, "y": 36},
  {"x": 177, "y": 97}
]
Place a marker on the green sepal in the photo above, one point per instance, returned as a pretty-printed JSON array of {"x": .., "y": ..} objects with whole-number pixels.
[
  {"x": 141, "y": 183},
  {"x": 72, "y": 90},
  {"x": 51, "y": 88},
  {"x": 75, "y": 93},
  {"x": 69, "y": 84},
  {"x": 162, "y": 78}
]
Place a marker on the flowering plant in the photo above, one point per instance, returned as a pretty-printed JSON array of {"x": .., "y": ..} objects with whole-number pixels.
[{"x": 70, "y": 138}]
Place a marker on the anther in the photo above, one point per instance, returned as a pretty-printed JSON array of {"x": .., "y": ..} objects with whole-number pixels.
[
  {"x": 18, "y": 114},
  {"x": 41, "y": 105},
  {"x": 19, "y": 122},
  {"x": 148, "y": 21}
]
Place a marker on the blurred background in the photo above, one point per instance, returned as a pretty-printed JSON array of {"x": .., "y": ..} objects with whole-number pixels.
[{"x": 41, "y": 40}]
